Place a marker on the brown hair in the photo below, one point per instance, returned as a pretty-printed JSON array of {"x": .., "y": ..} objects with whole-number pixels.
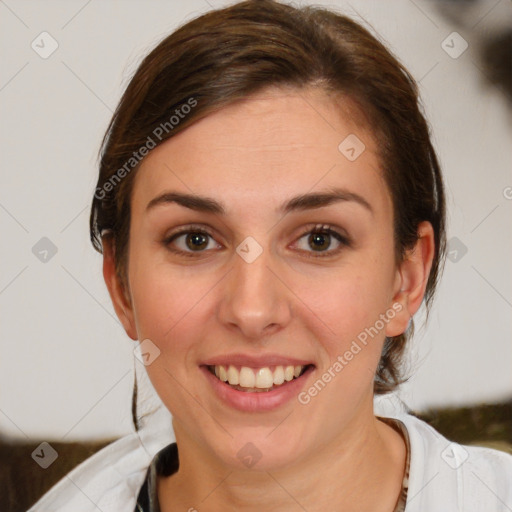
[{"x": 226, "y": 55}]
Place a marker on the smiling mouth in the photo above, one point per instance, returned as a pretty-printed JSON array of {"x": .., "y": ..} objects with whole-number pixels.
[{"x": 257, "y": 380}]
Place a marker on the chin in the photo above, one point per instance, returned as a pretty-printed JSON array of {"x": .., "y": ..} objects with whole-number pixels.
[{"x": 259, "y": 450}]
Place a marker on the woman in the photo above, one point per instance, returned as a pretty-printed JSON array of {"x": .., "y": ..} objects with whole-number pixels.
[{"x": 271, "y": 216}]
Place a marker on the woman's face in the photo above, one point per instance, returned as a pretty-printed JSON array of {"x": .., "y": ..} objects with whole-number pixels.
[{"x": 246, "y": 284}]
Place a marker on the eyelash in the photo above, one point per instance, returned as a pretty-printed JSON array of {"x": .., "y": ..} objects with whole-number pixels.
[{"x": 324, "y": 229}]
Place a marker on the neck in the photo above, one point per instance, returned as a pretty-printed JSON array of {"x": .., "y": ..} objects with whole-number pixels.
[{"x": 361, "y": 470}]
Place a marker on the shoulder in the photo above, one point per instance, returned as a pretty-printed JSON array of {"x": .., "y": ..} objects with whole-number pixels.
[
  {"x": 110, "y": 480},
  {"x": 449, "y": 476}
]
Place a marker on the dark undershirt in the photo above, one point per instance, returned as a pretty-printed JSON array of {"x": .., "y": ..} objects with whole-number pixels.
[{"x": 166, "y": 462}]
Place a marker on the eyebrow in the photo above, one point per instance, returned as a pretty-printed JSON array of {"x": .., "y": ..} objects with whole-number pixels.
[{"x": 299, "y": 203}]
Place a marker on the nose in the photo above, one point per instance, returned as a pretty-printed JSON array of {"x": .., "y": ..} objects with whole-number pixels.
[{"x": 255, "y": 299}]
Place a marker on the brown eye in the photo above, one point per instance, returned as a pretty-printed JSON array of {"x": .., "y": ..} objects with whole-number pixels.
[
  {"x": 189, "y": 241},
  {"x": 196, "y": 241},
  {"x": 320, "y": 240}
]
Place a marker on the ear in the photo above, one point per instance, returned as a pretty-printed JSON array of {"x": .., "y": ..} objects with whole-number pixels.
[
  {"x": 118, "y": 293},
  {"x": 411, "y": 280}
]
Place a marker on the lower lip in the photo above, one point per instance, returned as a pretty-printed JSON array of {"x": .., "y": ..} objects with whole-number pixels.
[{"x": 257, "y": 401}]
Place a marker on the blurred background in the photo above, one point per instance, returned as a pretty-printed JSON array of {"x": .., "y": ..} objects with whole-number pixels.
[{"x": 66, "y": 365}]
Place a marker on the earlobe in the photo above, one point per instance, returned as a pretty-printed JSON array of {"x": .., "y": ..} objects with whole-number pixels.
[
  {"x": 412, "y": 278},
  {"x": 117, "y": 290}
]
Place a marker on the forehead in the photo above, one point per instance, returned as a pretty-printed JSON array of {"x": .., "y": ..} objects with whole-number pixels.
[{"x": 265, "y": 148}]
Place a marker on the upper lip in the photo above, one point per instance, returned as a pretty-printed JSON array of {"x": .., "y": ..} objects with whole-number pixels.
[{"x": 255, "y": 361}]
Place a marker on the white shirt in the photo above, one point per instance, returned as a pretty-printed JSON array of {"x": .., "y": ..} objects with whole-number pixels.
[{"x": 444, "y": 476}]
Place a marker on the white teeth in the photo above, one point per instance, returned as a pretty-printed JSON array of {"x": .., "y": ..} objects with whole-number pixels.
[
  {"x": 222, "y": 374},
  {"x": 247, "y": 377},
  {"x": 278, "y": 375},
  {"x": 264, "y": 378},
  {"x": 260, "y": 378},
  {"x": 233, "y": 376}
]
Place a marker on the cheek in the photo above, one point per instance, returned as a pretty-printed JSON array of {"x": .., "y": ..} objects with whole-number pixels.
[
  {"x": 349, "y": 302},
  {"x": 164, "y": 305},
  {"x": 355, "y": 306},
  {"x": 166, "y": 308},
  {"x": 160, "y": 300},
  {"x": 173, "y": 307},
  {"x": 357, "y": 343}
]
